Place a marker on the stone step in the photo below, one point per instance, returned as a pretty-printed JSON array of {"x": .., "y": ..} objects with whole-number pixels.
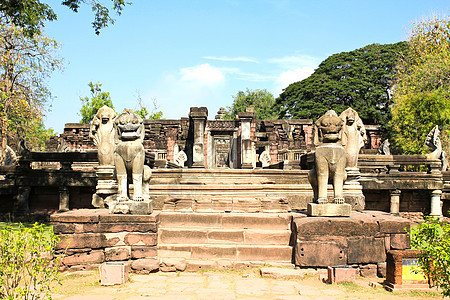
[
  {"x": 223, "y": 236},
  {"x": 271, "y": 221},
  {"x": 223, "y": 264},
  {"x": 266, "y": 253}
]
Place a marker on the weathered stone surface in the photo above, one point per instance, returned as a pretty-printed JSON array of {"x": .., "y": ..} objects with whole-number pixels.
[
  {"x": 172, "y": 264},
  {"x": 381, "y": 269},
  {"x": 281, "y": 273},
  {"x": 392, "y": 224},
  {"x": 225, "y": 236},
  {"x": 264, "y": 253},
  {"x": 145, "y": 265},
  {"x": 64, "y": 228},
  {"x": 86, "y": 258},
  {"x": 147, "y": 239},
  {"x": 320, "y": 253},
  {"x": 189, "y": 220},
  {"x": 112, "y": 273},
  {"x": 129, "y": 227},
  {"x": 329, "y": 210},
  {"x": 78, "y": 216},
  {"x": 130, "y": 219},
  {"x": 267, "y": 237},
  {"x": 256, "y": 221},
  {"x": 205, "y": 252},
  {"x": 368, "y": 270},
  {"x": 366, "y": 250},
  {"x": 82, "y": 240},
  {"x": 198, "y": 265},
  {"x": 131, "y": 207},
  {"x": 400, "y": 241},
  {"x": 359, "y": 224},
  {"x": 117, "y": 253},
  {"x": 143, "y": 252},
  {"x": 182, "y": 236},
  {"x": 341, "y": 274}
]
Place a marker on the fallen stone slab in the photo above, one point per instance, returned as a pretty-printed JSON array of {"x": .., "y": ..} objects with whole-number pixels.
[{"x": 280, "y": 273}]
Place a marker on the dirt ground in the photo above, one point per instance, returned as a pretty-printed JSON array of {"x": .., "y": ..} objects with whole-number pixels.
[{"x": 239, "y": 284}]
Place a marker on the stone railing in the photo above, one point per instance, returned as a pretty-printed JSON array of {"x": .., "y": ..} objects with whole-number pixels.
[{"x": 392, "y": 164}]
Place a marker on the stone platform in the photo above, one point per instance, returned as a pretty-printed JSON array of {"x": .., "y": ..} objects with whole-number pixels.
[
  {"x": 361, "y": 239},
  {"x": 193, "y": 241}
]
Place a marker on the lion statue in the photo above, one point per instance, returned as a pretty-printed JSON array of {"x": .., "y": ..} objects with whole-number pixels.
[{"x": 129, "y": 156}]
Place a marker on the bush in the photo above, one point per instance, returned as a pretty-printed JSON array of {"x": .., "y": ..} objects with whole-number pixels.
[
  {"x": 28, "y": 265},
  {"x": 433, "y": 238}
]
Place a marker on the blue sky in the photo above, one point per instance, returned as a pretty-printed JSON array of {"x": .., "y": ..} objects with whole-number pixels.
[{"x": 183, "y": 53}]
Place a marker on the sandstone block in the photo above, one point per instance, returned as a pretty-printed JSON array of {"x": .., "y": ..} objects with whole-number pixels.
[
  {"x": 112, "y": 273},
  {"x": 381, "y": 269},
  {"x": 198, "y": 265},
  {"x": 257, "y": 221},
  {"x": 172, "y": 264},
  {"x": 320, "y": 253},
  {"x": 116, "y": 218},
  {"x": 78, "y": 216},
  {"x": 341, "y": 274},
  {"x": 82, "y": 240},
  {"x": 132, "y": 227},
  {"x": 189, "y": 219},
  {"x": 182, "y": 236},
  {"x": 264, "y": 253},
  {"x": 143, "y": 252},
  {"x": 368, "y": 270},
  {"x": 400, "y": 241},
  {"x": 205, "y": 252},
  {"x": 329, "y": 210},
  {"x": 225, "y": 236},
  {"x": 280, "y": 273},
  {"x": 141, "y": 239},
  {"x": 76, "y": 268},
  {"x": 267, "y": 237},
  {"x": 145, "y": 265},
  {"x": 366, "y": 250},
  {"x": 86, "y": 258},
  {"x": 117, "y": 253},
  {"x": 392, "y": 224}
]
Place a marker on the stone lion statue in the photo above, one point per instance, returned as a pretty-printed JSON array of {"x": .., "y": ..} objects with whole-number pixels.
[{"x": 129, "y": 156}]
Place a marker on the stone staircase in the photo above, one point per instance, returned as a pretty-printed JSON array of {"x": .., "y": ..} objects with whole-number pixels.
[{"x": 225, "y": 240}]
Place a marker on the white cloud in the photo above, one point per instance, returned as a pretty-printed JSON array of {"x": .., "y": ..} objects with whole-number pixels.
[
  {"x": 203, "y": 74},
  {"x": 291, "y": 76},
  {"x": 296, "y": 61},
  {"x": 226, "y": 58}
]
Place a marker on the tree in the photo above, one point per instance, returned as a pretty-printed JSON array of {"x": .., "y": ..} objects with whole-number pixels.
[
  {"x": 25, "y": 65},
  {"x": 261, "y": 100},
  {"x": 94, "y": 103},
  {"x": 360, "y": 79},
  {"x": 422, "y": 91},
  {"x": 32, "y": 14},
  {"x": 143, "y": 111}
]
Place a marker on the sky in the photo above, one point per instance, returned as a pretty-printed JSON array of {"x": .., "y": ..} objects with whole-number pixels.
[{"x": 176, "y": 54}]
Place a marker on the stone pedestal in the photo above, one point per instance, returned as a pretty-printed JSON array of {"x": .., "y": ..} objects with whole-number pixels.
[
  {"x": 246, "y": 142},
  {"x": 395, "y": 201},
  {"x": 198, "y": 116},
  {"x": 131, "y": 207},
  {"x": 64, "y": 198},
  {"x": 436, "y": 204},
  {"x": 329, "y": 210},
  {"x": 353, "y": 191},
  {"x": 106, "y": 189}
]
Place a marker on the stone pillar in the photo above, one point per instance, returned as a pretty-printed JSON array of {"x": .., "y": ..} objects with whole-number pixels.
[
  {"x": 395, "y": 201},
  {"x": 198, "y": 116},
  {"x": 246, "y": 142},
  {"x": 436, "y": 205},
  {"x": 64, "y": 197}
]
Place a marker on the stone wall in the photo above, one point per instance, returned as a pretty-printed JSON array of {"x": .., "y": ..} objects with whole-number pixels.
[{"x": 93, "y": 236}]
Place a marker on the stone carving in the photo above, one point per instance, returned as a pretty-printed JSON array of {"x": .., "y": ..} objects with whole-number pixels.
[
  {"x": 433, "y": 141},
  {"x": 180, "y": 158},
  {"x": 62, "y": 145},
  {"x": 9, "y": 157},
  {"x": 102, "y": 133},
  {"x": 264, "y": 158},
  {"x": 354, "y": 136},
  {"x": 330, "y": 158},
  {"x": 129, "y": 156},
  {"x": 221, "y": 113},
  {"x": 384, "y": 148}
]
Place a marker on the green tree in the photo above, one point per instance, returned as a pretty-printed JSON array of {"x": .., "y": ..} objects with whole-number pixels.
[
  {"x": 92, "y": 104},
  {"x": 142, "y": 111},
  {"x": 422, "y": 91},
  {"x": 433, "y": 238},
  {"x": 32, "y": 14},
  {"x": 261, "y": 100},
  {"x": 361, "y": 79},
  {"x": 25, "y": 65}
]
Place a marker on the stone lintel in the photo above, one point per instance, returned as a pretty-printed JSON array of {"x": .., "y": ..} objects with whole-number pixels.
[{"x": 329, "y": 210}]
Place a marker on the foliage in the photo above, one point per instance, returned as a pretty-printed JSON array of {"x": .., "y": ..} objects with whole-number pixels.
[
  {"x": 261, "y": 100},
  {"x": 28, "y": 265},
  {"x": 422, "y": 92},
  {"x": 143, "y": 111},
  {"x": 433, "y": 237},
  {"x": 360, "y": 79},
  {"x": 25, "y": 65},
  {"x": 32, "y": 14},
  {"x": 94, "y": 103}
]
